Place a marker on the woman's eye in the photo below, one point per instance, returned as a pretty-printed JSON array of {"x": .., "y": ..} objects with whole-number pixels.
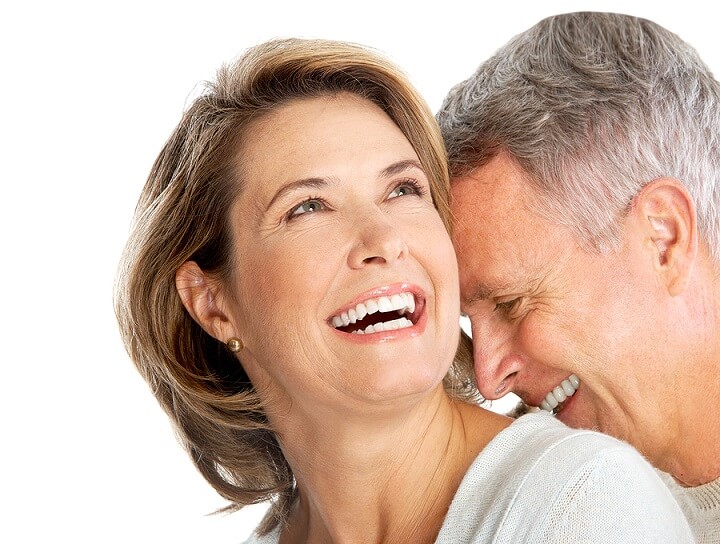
[
  {"x": 309, "y": 206},
  {"x": 407, "y": 188}
]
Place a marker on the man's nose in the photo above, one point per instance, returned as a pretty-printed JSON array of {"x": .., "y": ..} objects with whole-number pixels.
[{"x": 497, "y": 363}]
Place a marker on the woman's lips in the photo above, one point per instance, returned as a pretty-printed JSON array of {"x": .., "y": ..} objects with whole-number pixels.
[{"x": 387, "y": 311}]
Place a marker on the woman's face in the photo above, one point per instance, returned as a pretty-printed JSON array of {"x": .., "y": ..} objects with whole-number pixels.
[{"x": 335, "y": 220}]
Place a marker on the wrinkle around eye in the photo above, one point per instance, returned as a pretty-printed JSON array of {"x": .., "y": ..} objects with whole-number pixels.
[
  {"x": 410, "y": 204},
  {"x": 283, "y": 232}
]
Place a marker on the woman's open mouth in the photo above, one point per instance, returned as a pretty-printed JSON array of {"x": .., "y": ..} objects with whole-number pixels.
[{"x": 380, "y": 314}]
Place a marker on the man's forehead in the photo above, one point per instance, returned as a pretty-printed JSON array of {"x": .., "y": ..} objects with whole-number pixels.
[
  {"x": 480, "y": 191},
  {"x": 503, "y": 227},
  {"x": 495, "y": 197},
  {"x": 487, "y": 266}
]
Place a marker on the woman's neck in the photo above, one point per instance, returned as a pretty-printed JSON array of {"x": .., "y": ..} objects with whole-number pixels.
[{"x": 382, "y": 478}]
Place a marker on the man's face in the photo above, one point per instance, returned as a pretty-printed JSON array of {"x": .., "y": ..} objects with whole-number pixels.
[{"x": 543, "y": 308}]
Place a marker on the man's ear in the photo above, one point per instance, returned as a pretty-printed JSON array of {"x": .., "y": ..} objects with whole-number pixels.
[
  {"x": 201, "y": 298},
  {"x": 667, "y": 215}
]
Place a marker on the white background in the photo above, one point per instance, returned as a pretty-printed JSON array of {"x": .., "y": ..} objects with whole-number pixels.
[{"x": 89, "y": 92}]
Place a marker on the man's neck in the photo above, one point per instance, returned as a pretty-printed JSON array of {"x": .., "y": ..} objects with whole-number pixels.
[{"x": 694, "y": 457}]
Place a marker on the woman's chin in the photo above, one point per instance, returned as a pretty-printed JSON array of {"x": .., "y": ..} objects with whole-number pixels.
[{"x": 401, "y": 386}]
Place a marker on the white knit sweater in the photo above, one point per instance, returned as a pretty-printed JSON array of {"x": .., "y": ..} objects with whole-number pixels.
[
  {"x": 539, "y": 481},
  {"x": 701, "y": 506}
]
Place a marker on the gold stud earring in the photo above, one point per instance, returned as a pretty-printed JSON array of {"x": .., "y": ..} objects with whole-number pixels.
[{"x": 234, "y": 344}]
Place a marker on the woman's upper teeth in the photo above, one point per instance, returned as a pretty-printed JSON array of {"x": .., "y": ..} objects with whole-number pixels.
[
  {"x": 558, "y": 395},
  {"x": 401, "y": 302}
]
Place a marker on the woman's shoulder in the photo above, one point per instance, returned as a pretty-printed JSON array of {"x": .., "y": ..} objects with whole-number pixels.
[
  {"x": 539, "y": 452},
  {"x": 538, "y": 434},
  {"x": 273, "y": 537},
  {"x": 551, "y": 455},
  {"x": 538, "y": 477}
]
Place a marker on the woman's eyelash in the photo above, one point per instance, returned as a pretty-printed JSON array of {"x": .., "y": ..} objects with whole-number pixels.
[
  {"x": 297, "y": 211},
  {"x": 417, "y": 188}
]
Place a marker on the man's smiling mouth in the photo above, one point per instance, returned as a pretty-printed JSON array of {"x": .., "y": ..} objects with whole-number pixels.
[{"x": 553, "y": 401}]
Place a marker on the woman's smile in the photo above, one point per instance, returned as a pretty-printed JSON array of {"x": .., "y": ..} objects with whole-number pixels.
[{"x": 390, "y": 312}]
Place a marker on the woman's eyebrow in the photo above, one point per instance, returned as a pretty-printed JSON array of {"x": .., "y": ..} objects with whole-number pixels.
[
  {"x": 400, "y": 166},
  {"x": 304, "y": 183}
]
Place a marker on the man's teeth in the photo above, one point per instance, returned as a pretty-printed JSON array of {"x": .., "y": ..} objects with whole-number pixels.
[
  {"x": 402, "y": 303},
  {"x": 558, "y": 395}
]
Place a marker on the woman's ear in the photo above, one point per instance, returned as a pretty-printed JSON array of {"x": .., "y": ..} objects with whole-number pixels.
[
  {"x": 667, "y": 215},
  {"x": 203, "y": 301}
]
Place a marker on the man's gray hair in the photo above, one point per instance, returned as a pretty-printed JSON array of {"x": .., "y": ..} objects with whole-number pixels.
[{"x": 593, "y": 106}]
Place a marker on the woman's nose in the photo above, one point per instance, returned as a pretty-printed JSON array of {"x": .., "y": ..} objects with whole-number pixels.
[{"x": 379, "y": 241}]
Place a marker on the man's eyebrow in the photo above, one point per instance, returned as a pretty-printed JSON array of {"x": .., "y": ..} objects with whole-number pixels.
[
  {"x": 400, "y": 166},
  {"x": 314, "y": 183},
  {"x": 498, "y": 287},
  {"x": 484, "y": 291}
]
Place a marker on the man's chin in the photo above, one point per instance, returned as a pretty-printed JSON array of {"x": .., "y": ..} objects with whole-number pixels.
[
  {"x": 571, "y": 414},
  {"x": 520, "y": 409}
]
